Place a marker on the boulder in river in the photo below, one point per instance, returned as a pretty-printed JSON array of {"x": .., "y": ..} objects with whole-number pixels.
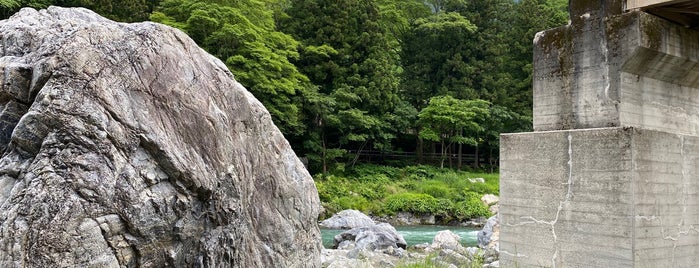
[
  {"x": 347, "y": 219},
  {"x": 127, "y": 145},
  {"x": 377, "y": 236},
  {"x": 446, "y": 240}
]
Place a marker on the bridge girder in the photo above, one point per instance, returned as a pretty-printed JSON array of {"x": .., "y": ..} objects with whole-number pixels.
[{"x": 684, "y": 12}]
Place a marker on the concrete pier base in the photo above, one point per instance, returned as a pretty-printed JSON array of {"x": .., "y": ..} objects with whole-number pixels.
[{"x": 608, "y": 197}]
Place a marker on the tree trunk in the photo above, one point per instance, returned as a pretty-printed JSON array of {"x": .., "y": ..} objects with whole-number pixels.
[
  {"x": 444, "y": 155},
  {"x": 459, "y": 153},
  {"x": 491, "y": 159},
  {"x": 450, "y": 153},
  {"x": 476, "y": 160},
  {"x": 460, "y": 157},
  {"x": 324, "y": 156},
  {"x": 419, "y": 149}
]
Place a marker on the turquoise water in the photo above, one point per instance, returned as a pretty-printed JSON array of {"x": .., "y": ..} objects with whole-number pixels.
[{"x": 416, "y": 234}]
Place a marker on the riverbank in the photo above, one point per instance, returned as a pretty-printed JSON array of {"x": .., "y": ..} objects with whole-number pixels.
[
  {"x": 359, "y": 241},
  {"x": 337, "y": 258},
  {"x": 415, "y": 219},
  {"x": 443, "y": 251},
  {"x": 416, "y": 234}
]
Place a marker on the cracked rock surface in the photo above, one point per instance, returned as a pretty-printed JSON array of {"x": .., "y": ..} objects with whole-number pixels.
[{"x": 127, "y": 145}]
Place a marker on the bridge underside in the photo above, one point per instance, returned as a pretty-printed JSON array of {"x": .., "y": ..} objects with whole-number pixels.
[{"x": 684, "y": 12}]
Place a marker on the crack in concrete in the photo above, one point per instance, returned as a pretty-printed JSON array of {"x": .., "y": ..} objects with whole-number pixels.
[
  {"x": 665, "y": 232},
  {"x": 516, "y": 255},
  {"x": 566, "y": 200}
]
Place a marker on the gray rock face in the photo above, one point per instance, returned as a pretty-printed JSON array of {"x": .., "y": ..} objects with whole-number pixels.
[
  {"x": 446, "y": 240},
  {"x": 127, "y": 145},
  {"x": 489, "y": 236},
  {"x": 347, "y": 219},
  {"x": 378, "y": 236}
]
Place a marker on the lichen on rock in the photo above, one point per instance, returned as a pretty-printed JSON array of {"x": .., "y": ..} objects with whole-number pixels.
[{"x": 127, "y": 145}]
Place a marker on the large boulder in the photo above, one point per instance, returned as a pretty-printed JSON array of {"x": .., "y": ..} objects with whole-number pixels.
[
  {"x": 347, "y": 219},
  {"x": 127, "y": 145},
  {"x": 446, "y": 239},
  {"x": 374, "y": 237}
]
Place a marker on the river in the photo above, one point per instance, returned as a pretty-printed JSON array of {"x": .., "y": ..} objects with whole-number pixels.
[{"x": 416, "y": 234}]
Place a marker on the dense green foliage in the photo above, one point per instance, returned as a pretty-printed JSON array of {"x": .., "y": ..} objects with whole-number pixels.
[
  {"x": 382, "y": 190},
  {"x": 448, "y": 120},
  {"x": 350, "y": 56},
  {"x": 345, "y": 79}
]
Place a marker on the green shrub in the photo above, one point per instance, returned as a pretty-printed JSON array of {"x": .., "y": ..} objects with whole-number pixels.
[
  {"x": 352, "y": 202},
  {"x": 371, "y": 191},
  {"x": 411, "y": 202},
  {"x": 331, "y": 187},
  {"x": 421, "y": 172},
  {"x": 384, "y": 190},
  {"x": 443, "y": 207},
  {"x": 471, "y": 207},
  {"x": 436, "y": 189}
]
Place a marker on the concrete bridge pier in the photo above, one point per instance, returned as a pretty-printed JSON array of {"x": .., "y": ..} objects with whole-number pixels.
[{"x": 610, "y": 175}]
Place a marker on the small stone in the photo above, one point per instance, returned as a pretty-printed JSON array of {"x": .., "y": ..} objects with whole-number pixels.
[
  {"x": 346, "y": 245},
  {"x": 495, "y": 264},
  {"x": 453, "y": 257},
  {"x": 473, "y": 251},
  {"x": 386, "y": 263},
  {"x": 476, "y": 180},
  {"x": 421, "y": 246},
  {"x": 490, "y": 199}
]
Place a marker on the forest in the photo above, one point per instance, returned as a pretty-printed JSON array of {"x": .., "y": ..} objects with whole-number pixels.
[{"x": 390, "y": 82}]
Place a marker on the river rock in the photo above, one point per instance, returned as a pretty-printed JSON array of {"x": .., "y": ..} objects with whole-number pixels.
[
  {"x": 494, "y": 209},
  {"x": 338, "y": 258},
  {"x": 446, "y": 239},
  {"x": 347, "y": 219},
  {"x": 495, "y": 264},
  {"x": 476, "y": 180},
  {"x": 489, "y": 236},
  {"x": 127, "y": 145},
  {"x": 453, "y": 257},
  {"x": 375, "y": 237},
  {"x": 490, "y": 199}
]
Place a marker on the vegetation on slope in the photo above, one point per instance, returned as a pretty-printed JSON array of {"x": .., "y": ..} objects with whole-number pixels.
[{"x": 382, "y": 190}]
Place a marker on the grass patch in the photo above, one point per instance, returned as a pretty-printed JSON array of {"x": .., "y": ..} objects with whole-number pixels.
[{"x": 382, "y": 190}]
